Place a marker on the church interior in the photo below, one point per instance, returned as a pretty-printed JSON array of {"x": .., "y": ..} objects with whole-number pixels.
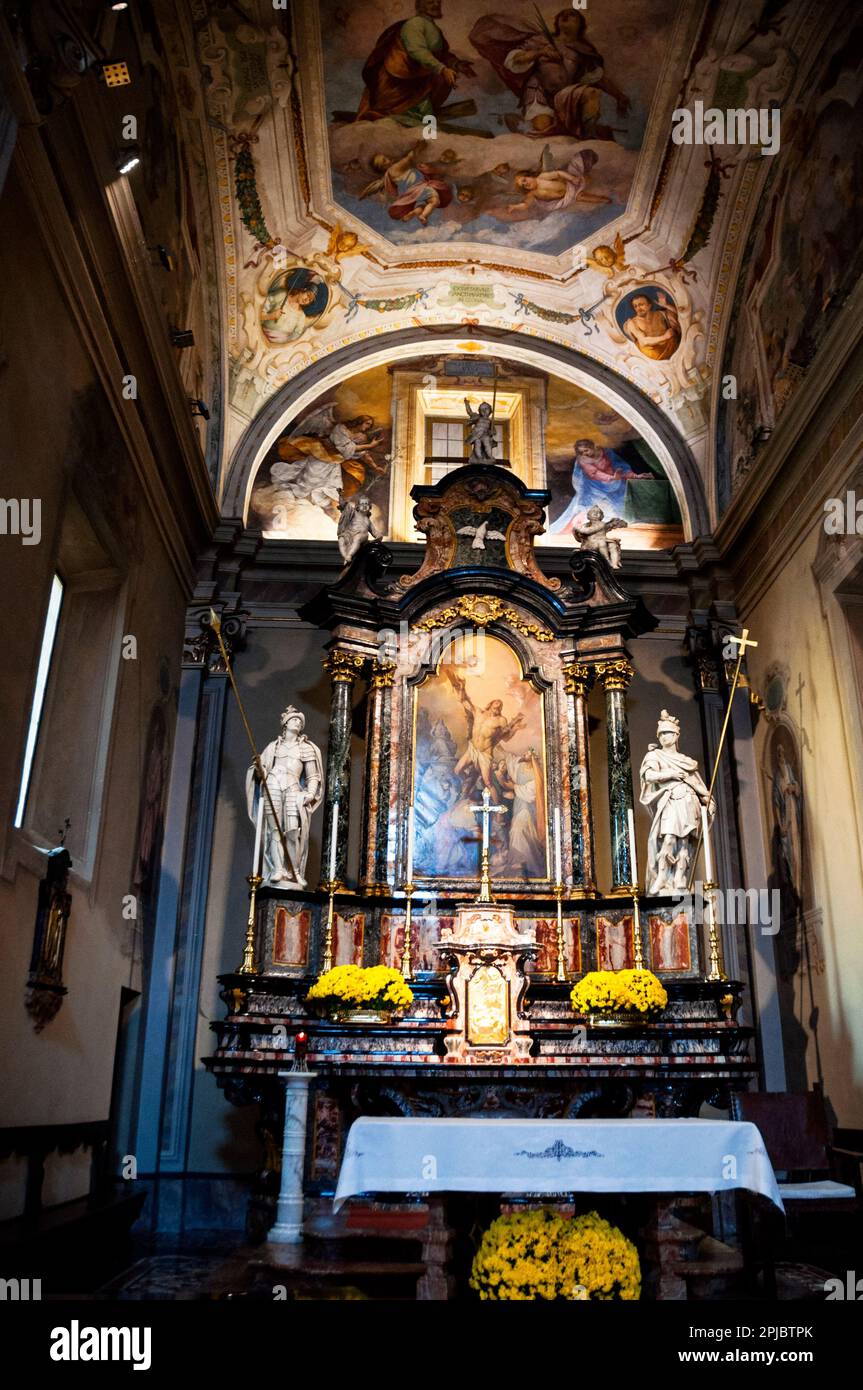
[{"x": 432, "y": 782}]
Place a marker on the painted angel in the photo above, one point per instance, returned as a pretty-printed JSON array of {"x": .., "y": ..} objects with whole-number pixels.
[
  {"x": 355, "y": 526},
  {"x": 548, "y": 189},
  {"x": 323, "y": 458}
]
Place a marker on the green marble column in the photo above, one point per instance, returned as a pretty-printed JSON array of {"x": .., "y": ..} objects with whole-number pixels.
[
  {"x": 376, "y": 796},
  {"x": 343, "y": 668},
  {"x": 578, "y": 679},
  {"x": 616, "y": 676}
]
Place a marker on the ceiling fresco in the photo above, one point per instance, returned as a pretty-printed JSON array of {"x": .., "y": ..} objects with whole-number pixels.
[
  {"x": 526, "y": 133},
  {"x": 490, "y": 166}
]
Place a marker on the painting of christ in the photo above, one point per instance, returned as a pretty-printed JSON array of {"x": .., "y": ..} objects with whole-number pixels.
[
  {"x": 479, "y": 726},
  {"x": 669, "y": 943},
  {"x": 614, "y": 944}
]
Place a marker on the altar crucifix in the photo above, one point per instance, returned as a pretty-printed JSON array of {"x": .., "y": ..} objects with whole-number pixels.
[{"x": 486, "y": 810}]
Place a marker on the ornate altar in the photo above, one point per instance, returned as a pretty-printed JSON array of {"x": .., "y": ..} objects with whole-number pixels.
[{"x": 478, "y": 670}]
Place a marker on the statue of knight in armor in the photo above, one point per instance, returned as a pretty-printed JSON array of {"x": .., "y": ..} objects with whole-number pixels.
[
  {"x": 292, "y": 767},
  {"x": 672, "y": 788}
]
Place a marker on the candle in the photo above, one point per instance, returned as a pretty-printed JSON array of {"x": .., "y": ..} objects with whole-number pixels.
[
  {"x": 486, "y": 801},
  {"x": 708, "y": 852},
  {"x": 409, "y": 875},
  {"x": 334, "y": 843},
  {"x": 630, "y": 821},
  {"x": 558, "y": 878},
  {"x": 259, "y": 826}
]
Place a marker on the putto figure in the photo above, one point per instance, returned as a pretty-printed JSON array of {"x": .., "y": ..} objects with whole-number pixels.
[
  {"x": 482, "y": 436},
  {"x": 293, "y": 770},
  {"x": 355, "y": 526},
  {"x": 674, "y": 791},
  {"x": 593, "y": 535}
]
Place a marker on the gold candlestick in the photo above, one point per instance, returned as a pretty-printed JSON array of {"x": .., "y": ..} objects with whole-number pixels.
[
  {"x": 717, "y": 964},
  {"x": 561, "y": 953},
  {"x": 407, "y": 954},
  {"x": 638, "y": 949},
  {"x": 248, "y": 966},
  {"x": 328, "y": 937}
]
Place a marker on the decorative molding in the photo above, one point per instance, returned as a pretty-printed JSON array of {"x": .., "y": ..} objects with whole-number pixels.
[{"x": 481, "y": 610}]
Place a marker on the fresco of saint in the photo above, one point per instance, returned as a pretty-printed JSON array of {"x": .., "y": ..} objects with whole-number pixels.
[
  {"x": 650, "y": 320},
  {"x": 411, "y": 70},
  {"x": 599, "y": 477},
  {"x": 556, "y": 74}
]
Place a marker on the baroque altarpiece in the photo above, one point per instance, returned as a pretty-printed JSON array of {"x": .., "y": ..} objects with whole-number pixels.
[{"x": 478, "y": 668}]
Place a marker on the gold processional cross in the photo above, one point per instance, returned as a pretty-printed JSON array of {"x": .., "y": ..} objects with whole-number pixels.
[{"x": 486, "y": 810}]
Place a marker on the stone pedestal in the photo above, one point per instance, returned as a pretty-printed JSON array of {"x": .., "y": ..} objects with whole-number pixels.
[
  {"x": 288, "y": 1228},
  {"x": 487, "y": 984}
]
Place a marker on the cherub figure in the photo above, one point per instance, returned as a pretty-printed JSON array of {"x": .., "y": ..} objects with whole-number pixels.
[
  {"x": 482, "y": 436},
  {"x": 342, "y": 244},
  {"x": 413, "y": 187},
  {"x": 555, "y": 189},
  {"x": 355, "y": 526},
  {"x": 608, "y": 259},
  {"x": 594, "y": 535}
]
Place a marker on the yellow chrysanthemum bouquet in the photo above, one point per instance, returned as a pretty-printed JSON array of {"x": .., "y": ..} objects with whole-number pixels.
[
  {"x": 618, "y": 991},
  {"x": 540, "y": 1254},
  {"x": 355, "y": 988}
]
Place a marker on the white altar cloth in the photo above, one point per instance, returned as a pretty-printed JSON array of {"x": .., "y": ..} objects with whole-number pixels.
[{"x": 552, "y": 1156}]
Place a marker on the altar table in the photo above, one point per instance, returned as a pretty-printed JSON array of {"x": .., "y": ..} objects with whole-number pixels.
[{"x": 554, "y": 1156}]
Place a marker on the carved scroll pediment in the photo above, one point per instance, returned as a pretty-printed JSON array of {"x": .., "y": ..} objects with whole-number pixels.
[{"x": 479, "y": 517}]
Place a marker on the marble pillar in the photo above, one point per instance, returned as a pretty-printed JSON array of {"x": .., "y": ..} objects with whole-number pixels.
[
  {"x": 615, "y": 676},
  {"x": 343, "y": 668},
  {"x": 578, "y": 679},
  {"x": 288, "y": 1228},
  {"x": 376, "y": 795}
]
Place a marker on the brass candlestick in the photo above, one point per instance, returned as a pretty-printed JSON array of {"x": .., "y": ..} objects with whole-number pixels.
[
  {"x": 407, "y": 953},
  {"x": 561, "y": 952},
  {"x": 638, "y": 949},
  {"x": 717, "y": 964},
  {"x": 328, "y": 936},
  {"x": 248, "y": 966}
]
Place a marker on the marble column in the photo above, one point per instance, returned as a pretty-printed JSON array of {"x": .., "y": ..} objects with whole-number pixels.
[
  {"x": 376, "y": 796},
  {"x": 343, "y": 668},
  {"x": 578, "y": 679},
  {"x": 288, "y": 1228},
  {"x": 616, "y": 676}
]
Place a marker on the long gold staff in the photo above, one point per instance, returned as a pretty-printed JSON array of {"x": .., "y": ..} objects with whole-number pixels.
[
  {"x": 742, "y": 643},
  {"x": 254, "y": 881},
  {"x": 216, "y": 625}
]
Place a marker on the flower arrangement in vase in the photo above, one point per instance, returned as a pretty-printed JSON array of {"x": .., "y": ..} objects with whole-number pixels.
[
  {"x": 361, "y": 994},
  {"x": 619, "y": 996}
]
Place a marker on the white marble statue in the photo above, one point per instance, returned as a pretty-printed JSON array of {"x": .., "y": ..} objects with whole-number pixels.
[
  {"x": 674, "y": 791},
  {"x": 292, "y": 767},
  {"x": 355, "y": 526},
  {"x": 593, "y": 535},
  {"x": 481, "y": 435}
]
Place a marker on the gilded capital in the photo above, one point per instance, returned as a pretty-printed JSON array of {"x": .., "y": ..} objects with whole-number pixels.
[
  {"x": 342, "y": 665},
  {"x": 577, "y": 679},
  {"x": 616, "y": 674},
  {"x": 383, "y": 673}
]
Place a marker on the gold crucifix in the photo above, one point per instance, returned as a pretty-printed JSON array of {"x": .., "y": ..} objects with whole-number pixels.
[{"x": 486, "y": 810}]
